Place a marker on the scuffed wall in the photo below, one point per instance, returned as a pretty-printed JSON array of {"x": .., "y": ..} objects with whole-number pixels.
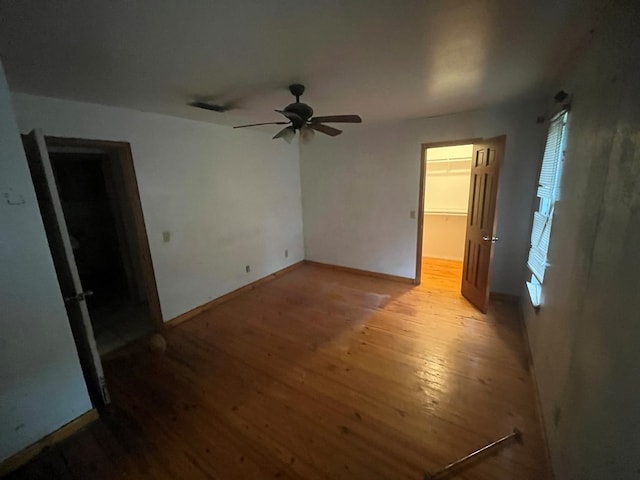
[{"x": 584, "y": 339}]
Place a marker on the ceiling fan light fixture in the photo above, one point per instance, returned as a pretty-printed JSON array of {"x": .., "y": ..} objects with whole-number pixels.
[
  {"x": 307, "y": 134},
  {"x": 287, "y": 134}
]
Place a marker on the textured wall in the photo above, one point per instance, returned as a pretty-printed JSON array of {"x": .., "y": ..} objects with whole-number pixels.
[{"x": 585, "y": 337}]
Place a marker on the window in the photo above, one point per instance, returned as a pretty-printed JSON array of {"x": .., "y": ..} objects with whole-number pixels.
[{"x": 548, "y": 194}]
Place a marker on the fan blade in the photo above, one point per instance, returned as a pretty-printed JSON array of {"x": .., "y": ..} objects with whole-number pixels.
[
  {"x": 294, "y": 117},
  {"x": 337, "y": 119},
  {"x": 287, "y": 133},
  {"x": 326, "y": 129},
  {"x": 256, "y": 124}
]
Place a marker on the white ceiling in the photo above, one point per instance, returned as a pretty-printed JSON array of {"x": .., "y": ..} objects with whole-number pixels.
[{"x": 382, "y": 59}]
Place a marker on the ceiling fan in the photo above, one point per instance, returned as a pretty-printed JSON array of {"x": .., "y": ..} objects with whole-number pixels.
[{"x": 300, "y": 118}]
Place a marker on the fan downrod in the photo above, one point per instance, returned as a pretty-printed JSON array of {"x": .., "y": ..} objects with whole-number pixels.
[{"x": 296, "y": 90}]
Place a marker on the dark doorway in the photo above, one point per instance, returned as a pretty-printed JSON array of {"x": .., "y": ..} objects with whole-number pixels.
[{"x": 102, "y": 246}]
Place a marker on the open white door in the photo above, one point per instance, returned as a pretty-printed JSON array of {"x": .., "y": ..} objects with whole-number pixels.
[{"x": 65, "y": 264}]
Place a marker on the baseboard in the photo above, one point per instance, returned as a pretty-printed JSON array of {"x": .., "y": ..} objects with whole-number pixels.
[
  {"x": 16, "y": 461},
  {"x": 505, "y": 298},
  {"x": 357, "y": 271},
  {"x": 174, "y": 322},
  {"x": 536, "y": 392}
]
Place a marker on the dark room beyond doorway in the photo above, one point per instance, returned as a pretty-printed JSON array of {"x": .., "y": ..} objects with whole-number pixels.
[{"x": 102, "y": 246}]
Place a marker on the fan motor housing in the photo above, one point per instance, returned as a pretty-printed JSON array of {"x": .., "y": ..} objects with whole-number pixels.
[{"x": 304, "y": 111}]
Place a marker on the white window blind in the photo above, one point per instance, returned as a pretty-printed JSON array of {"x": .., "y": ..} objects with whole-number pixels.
[
  {"x": 540, "y": 235},
  {"x": 548, "y": 192},
  {"x": 547, "y": 185}
]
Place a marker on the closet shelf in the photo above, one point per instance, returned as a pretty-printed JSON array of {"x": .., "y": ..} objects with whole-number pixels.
[
  {"x": 449, "y": 171},
  {"x": 450, "y": 160},
  {"x": 455, "y": 213}
]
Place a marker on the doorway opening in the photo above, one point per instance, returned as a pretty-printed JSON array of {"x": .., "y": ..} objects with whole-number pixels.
[
  {"x": 103, "y": 243},
  {"x": 97, "y": 194},
  {"x": 458, "y": 193},
  {"x": 105, "y": 250},
  {"x": 447, "y": 173}
]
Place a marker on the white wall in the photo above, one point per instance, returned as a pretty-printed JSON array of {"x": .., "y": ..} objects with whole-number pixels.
[
  {"x": 359, "y": 189},
  {"x": 228, "y": 197},
  {"x": 41, "y": 383},
  {"x": 443, "y": 236},
  {"x": 584, "y": 340}
]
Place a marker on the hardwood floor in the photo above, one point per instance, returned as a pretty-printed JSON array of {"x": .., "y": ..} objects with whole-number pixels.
[
  {"x": 317, "y": 374},
  {"x": 441, "y": 275}
]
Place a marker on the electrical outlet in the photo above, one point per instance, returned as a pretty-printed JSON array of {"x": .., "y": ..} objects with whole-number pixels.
[
  {"x": 247, "y": 268},
  {"x": 286, "y": 253},
  {"x": 166, "y": 236}
]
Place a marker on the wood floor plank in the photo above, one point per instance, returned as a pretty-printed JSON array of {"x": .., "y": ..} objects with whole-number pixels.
[{"x": 318, "y": 374}]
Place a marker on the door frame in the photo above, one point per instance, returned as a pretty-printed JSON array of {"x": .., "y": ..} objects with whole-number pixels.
[
  {"x": 423, "y": 170},
  {"x": 121, "y": 152}
]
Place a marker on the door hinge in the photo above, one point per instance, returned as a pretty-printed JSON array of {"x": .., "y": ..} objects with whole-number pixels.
[{"x": 80, "y": 296}]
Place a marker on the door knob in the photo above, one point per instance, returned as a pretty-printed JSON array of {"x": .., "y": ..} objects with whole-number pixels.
[{"x": 487, "y": 238}]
